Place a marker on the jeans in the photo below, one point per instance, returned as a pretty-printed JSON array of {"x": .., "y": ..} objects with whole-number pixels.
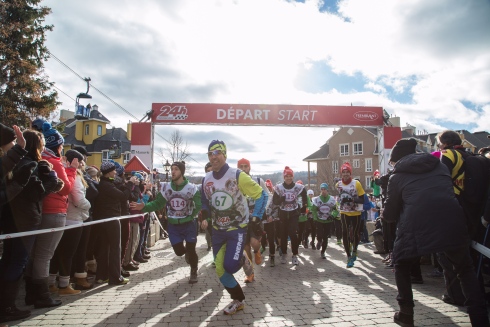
[
  {"x": 45, "y": 245},
  {"x": 134, "y": 237},
  {"x": 463, "y": 265},
  {"x": 144, "y": 230}
]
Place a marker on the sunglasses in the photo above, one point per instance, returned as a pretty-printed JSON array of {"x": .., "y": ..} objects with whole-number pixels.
[{"x": 214, "y": 153}]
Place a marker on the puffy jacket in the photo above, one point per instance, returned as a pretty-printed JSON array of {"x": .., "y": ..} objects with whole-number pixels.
[
  {"x": 58, "y": 202},
  {"x": 420, "y": 198},
  {"x": 78, "y": 205},
  {"x": 108, "y": 202}
]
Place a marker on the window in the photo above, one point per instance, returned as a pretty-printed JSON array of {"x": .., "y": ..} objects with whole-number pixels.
[
  {"x": 357, "y": 148},
  {"x": 105, "y": 155},
  {"x": 99, "y": 130},
  {"x": 369, "y": 165},
  {"x": 356, "y": 163},
  {"x": 344, "y": 150},
  {"x": 126, "y": 157},
  {"x": 335, "y": 167},
  {"x": 87, "y": 129},
  {"x": 368, "y": 181}
]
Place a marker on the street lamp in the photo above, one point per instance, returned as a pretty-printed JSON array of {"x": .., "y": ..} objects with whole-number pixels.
[{"x": 167, "y": 169}]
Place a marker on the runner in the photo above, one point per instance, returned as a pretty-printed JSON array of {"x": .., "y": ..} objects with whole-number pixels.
[
  {"x": 182, "y": 201},
  {"x": 351, "y": 199},
  {"x": 271, "y": 225},
  {"x": 224, "y": 203},
  {"x": 324, "y": 210},
  {"x": 286, "y": 197},
  {"x": 253, "y": 240}
]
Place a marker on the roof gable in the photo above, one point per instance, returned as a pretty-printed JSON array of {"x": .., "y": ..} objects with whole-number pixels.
[{"x": 135, "y": 164}]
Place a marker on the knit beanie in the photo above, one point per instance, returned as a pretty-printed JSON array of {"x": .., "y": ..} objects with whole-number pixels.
[
  {"x": 72, "y": 154},
  {"x": 310, "y": 192},
  {"x": 403, "y": 148},
  {"x": 376, "y": 173},
  {"x": 7, "y": 135},
  {"x": 243, "y": 161},
  {"x": 268, "y": 183},
  {"x": 119, "y": 168},
  {"x": 300, "y": 182},
  {"x": 288, "y": 171},
  {"x": 217, "y": 145},
  {"x": 324, "y": 185},
  {"x": 346, "y": 166},
  {"x": 52, "y": 137},
  {"x": 92, "y": 171},
  {"x": 180, "y": 165},
  {"x": 107, "y": 167}
]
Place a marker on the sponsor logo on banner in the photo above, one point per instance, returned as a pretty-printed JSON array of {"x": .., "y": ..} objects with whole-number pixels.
[
  {"x": 366, "y": 116},
  {"x": 172, "y": 113}
]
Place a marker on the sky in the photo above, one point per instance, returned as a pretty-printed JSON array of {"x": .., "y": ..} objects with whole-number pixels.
[{"x": 427, "y": 62}]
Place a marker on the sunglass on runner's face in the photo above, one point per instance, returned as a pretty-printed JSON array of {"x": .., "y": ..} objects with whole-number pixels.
[{"x": 214, "y": 153}]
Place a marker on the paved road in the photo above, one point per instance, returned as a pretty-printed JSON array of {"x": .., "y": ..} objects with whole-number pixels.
[{"x": 317, "y": 292}]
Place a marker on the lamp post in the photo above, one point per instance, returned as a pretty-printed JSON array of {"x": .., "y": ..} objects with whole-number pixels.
[{"x": 167, "y": 169}]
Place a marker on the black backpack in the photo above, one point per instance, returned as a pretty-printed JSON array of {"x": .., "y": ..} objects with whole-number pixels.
[{"x": 476, "y": 170}]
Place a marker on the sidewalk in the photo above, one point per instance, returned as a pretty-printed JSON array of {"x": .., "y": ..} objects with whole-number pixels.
[{"x": 317, "y": 292}]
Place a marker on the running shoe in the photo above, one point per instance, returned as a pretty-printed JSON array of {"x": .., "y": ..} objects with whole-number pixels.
[
  {"x": 233, "y": 307},
  {"x": 283, "y": 259},
  {"x": 193, "y": 276},
  {"x": 102, "y": 281},
  {"x": 258, "y": 258},
  {"x": 250, "y": 278},
  {"x": 121, "y": 281},
  {"x": 339, "y": 242},
  {"x": 350, "y": 263},
  {"x": 323, "y": 255},
  {"x": 294, "y": 260},
  {"x": 354, "y": 256},
  {"x": 272, "y": 262},
  {"x": 262, "y": 249}
]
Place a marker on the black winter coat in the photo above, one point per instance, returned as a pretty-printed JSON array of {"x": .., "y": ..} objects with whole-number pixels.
[
  {"x": 108, "y": 202},
  {"x": 420, "y": 198}
]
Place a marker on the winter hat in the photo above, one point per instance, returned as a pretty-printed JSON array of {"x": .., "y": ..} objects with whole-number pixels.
[
  {"x": 243, "y": 161},
  {"x": 37, "y": 124},
  {"x": 217, "y": 145},
  {"x": 376, "y": 173},
  {"x": 137, "y": 175},
  {"x": 310, "y": 192},
  {"x": 180, "y": 165},
  {"x": 92, "y": 171},
  {"x": 403, "y": 148},
  {"x": 107, "y": 167},
  {"x": 268, "y": 183},
  {"x": 288, "y": 171},
  {"x": 300, "y": 182},
  {"x": 436, "y": 154},
  {"x": 82, "y": 150},
  {"x": 119, "y": 168},
  {"x": 346, "y": 166},
  {"x": 72, "y": 154},
  {"x": 52, "y": 137},
  {"x": 324, "y": 185},
  {"x": 7, "y": 135}
]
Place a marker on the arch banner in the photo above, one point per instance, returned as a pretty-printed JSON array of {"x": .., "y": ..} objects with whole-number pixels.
[{"x": 265, "y": 114}]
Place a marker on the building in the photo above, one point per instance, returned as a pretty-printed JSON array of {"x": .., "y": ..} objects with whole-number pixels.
[
  {"x": 90, "y": 131},
  {"x": 361, "y": 148}
]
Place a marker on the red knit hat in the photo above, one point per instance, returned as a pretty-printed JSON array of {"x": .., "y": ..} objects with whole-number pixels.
[
  {"x": 300, "y": 182},
  {"x": 243, "y": 161},
  {"x": 376, "y": 173},
  {"x": 346, "y": 166},
  {"x": 268, "y": 183},
  {"x": 288, "y": 171}
]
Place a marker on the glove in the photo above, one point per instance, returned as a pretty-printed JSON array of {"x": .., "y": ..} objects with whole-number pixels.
[
  {"x": 256, "y": 227},
  {"x": 23, "y": 174},
  {"x": 43, "y": 167}
]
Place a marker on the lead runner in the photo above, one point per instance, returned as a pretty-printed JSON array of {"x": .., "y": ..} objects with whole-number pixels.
[{"x": 224, "y": 203}]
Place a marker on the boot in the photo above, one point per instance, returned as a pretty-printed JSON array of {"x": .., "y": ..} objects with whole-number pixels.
[
  {"x": 43, "y": 297},
  {"x": 404, "y": 317},
  {"x": 8, "y": 310},
  {"x": 82, "y": 284}
]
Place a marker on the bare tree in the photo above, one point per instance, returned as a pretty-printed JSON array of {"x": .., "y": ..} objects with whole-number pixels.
[{"x": 176, "y": 150}]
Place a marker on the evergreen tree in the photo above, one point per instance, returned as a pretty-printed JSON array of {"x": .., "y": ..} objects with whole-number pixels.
[{"x": 25, "y": 92}]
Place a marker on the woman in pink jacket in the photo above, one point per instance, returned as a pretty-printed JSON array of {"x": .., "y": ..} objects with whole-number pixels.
[{"x": 53, "y": 216}]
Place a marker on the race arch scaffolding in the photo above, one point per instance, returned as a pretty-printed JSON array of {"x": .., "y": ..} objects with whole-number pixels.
[{"x": 142, "y": 135}]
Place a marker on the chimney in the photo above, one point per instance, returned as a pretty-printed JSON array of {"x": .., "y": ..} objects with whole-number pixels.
[{"x": 95, "y": 107}]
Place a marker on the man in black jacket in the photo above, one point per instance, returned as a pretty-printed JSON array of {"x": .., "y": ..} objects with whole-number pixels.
[{"x": 421, "y": 200}]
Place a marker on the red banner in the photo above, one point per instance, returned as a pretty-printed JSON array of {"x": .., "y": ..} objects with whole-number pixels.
[{"x": 265, "y": 114}]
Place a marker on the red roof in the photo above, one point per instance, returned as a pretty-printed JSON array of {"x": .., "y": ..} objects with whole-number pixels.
[{"x": 135, "y": 164}]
